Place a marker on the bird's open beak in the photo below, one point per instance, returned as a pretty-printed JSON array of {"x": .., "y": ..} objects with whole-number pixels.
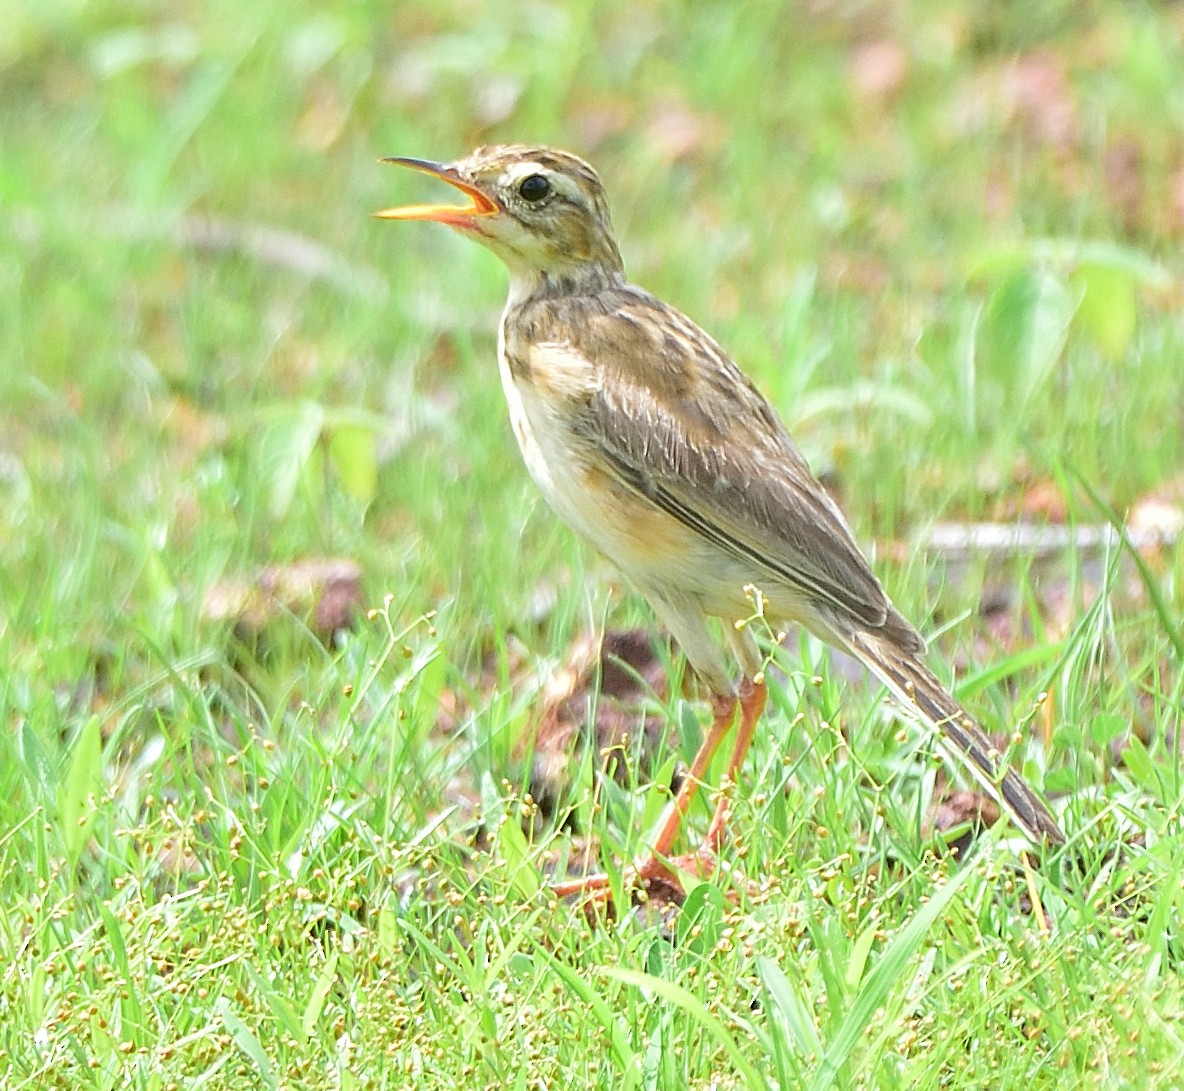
[{"x": 455, "y": 215}]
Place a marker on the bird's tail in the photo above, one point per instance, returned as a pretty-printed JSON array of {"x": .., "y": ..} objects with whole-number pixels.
[{"x": 915, "y": 686}]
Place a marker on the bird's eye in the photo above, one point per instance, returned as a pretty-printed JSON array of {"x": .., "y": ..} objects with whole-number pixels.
[{"x": 534, "y": 187}]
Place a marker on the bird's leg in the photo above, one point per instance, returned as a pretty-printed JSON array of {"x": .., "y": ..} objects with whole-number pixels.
[
  {"x": 705, "y": 859},
  {"x": 752, "y": 704},
  {"x": 657, "y": 863},
  {"x": 724, "y": 711}
]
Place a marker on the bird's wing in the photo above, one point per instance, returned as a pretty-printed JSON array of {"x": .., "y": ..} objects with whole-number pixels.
[{"x": 681, "y": 425}]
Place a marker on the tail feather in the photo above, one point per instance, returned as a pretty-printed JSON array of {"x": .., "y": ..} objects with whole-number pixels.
[{"x": 916, "y": 687}]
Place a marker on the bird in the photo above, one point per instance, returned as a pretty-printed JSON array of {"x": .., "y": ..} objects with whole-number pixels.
[{"x": 647, "y": 439}]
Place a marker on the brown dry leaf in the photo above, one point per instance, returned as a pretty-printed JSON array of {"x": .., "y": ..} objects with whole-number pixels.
[
  {"x": 1037, "y": 90},
  {"x": 629, "y": 673},
  {"x": 879, "y": 69},
  {"x": 1006, "y": 628},
  {"x": 595, "y": 122},
  {"x": 676, "y": 132},
  {"x": 1032, "y": 93},
  {"x": 862, "y": 273},
  {"x": 325, "y": 593},
  {"x": 194, "y": 429},
  {"x": 1158, "y": 516},
  {"x": 896, "y": 552},
  {"x": 178, "y": 860},
  {"x": 1175, "y": 204},
  {"x": 999, "y": 198},
  {"x": 962, "y": 807},
  {"x": 1124, "y": 170},
  {"x": 1044, "y": 502},
  {"x": 1040, "y": 501}
]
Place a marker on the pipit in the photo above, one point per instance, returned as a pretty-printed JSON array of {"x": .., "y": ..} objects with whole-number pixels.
[{"x": 648, "y": 440}]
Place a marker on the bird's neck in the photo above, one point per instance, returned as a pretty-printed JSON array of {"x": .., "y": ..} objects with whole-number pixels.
[{"x": 584, "y": 279}]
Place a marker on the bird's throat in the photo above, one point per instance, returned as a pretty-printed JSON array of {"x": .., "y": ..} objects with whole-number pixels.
[{"x": 585, "y": 279}]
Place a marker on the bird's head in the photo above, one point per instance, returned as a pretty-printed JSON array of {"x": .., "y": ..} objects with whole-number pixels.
[{"x": 542, "y": 211}]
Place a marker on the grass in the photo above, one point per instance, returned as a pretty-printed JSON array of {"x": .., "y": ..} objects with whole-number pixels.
[{"x": 945, "y": 243}]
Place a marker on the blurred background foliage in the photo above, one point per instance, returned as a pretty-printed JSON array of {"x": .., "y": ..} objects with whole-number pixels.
[{"x": 855, "y": 196}]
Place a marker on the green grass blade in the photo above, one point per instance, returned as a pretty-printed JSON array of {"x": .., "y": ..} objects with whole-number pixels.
[
  {"x": 786, "y": 999},
  {"x": 620, "y": 1040},
  {"x": 81, "y": 788},
  {"x": 248, "y": 1045},
  {"x": 695, "y": 1008},
  {"x": 316, "y": 1002},
  {"x": 888, "y": 971}
]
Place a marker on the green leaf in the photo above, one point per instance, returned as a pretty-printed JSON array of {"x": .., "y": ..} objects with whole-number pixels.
[
  {"x": 1167, "y": 902},
  {"x": 615, "y": 1028},
  {"x": 1018, "y": 662},
  {"x": 702, "y": 918},
  {"x": 353, "y": 453},
  {"x": 248, "y": 1044},
  {"x": 888, "y": 971},
  {"x": 794, "y": 1009},
  {"x": 657, "y": 796},
  {"x": 39, "y": 767},
  {"x": 655, "y": 1069},
  {"x": 316, "y": 1002},
  {"x": 858, "y": 958},
  {"x": 130, "y": 1008},
  {"x": 82, "y": 786},
  {"x": 1065, "y": 256},
  {"x": 1068, "y": 737},
  {"x": 284, "y": 450},
  {"x": 695, "y": 1008},
  {"x": 1106, "y": 727},
  {"x": 1141, "y": 768},
  {"x": 510, "y": 840},
  {"x": 515, "y": 850},
  {"x": 430, "y": 669},
  {"x": 1063, "y": 780},
  {"x": 388, "y": 930},
  {"x": 280, "y": 1006},
  {"x": 1105, "y": 276},
  {"x": 520, "y": 966},
  {"x": 1024, "y": 328},
  {"x": 1108, "y": 311}
]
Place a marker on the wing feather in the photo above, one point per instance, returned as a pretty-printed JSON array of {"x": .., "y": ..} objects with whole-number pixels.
[{"x": 680, "y": 424}]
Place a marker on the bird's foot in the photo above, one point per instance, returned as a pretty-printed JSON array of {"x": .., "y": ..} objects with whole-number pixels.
[
  {"x": 650, "y": 879},
  {"x": 657, "y": 874}
]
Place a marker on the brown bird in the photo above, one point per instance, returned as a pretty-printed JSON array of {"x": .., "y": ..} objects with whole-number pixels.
[{"x": 647, "y": 439}]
